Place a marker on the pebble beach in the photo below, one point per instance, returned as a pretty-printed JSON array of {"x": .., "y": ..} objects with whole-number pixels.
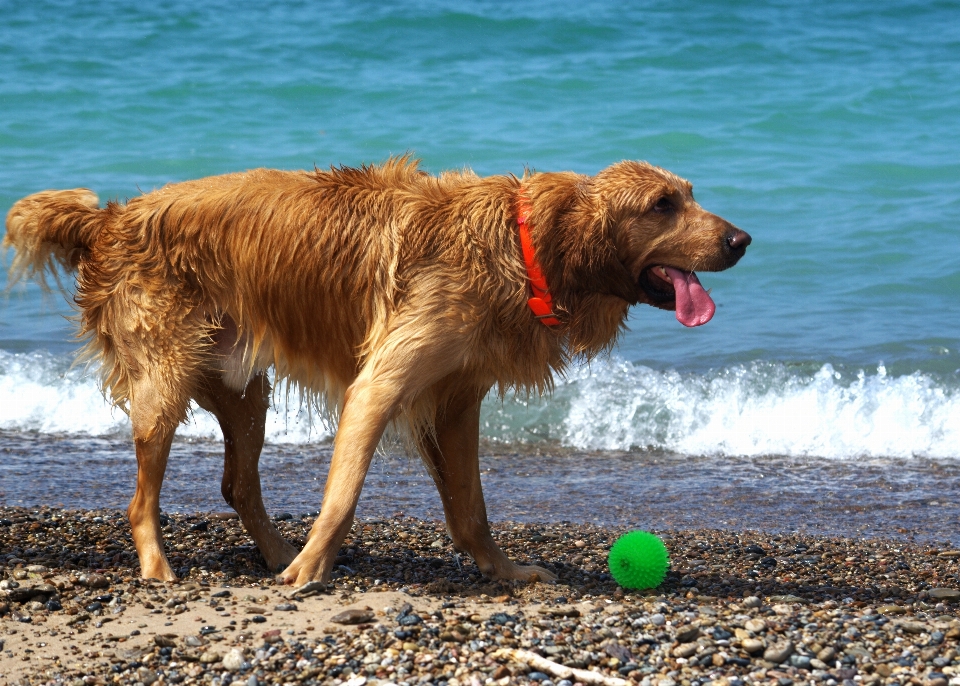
[{"x": 404, "y": 608}]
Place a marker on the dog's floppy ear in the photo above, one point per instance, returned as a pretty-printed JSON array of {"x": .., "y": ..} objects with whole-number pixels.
[{"x": 596, "y": 263}]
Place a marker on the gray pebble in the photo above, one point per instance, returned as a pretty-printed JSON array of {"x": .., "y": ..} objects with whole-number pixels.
[
  {"x": 353, "y": 617},
  {"x": 778, "y": 653}
]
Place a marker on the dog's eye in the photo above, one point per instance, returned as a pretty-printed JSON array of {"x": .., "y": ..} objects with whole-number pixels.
[{"x": 663, "y": 205}]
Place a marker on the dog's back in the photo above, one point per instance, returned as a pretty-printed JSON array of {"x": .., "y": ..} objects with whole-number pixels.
[{"x": 301, "y": 270}]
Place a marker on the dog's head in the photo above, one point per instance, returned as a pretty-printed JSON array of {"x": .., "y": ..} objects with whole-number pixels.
[{"x": 661, "y": 237}]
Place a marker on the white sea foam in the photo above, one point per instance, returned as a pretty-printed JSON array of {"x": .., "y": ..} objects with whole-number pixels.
[
  {"x": 41, "y": 392},
  {"x": 757, "y": 409}
]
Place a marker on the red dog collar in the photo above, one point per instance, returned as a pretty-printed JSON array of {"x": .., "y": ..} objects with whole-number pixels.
[{"x": 541, "y": 304}]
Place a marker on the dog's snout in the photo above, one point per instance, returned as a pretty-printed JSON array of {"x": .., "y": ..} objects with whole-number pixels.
[{"x": 738, "y": 240}]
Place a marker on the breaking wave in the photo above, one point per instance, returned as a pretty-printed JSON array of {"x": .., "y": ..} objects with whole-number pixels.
[{"x": 762, "y": 408}]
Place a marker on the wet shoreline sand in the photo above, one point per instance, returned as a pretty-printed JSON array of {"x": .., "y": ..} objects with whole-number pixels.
[
  {"x": 863, "y": 497},
  {"x": 737, "y": 607}
]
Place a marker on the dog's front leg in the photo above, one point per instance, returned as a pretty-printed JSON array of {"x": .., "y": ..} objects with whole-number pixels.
[
  {"x": 410, "y": 360},
  {"x": 367, "y": 408}
]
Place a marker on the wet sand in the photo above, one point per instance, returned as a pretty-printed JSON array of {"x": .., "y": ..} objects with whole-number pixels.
[
  {"x": 909, "y": 499},
  {"x": 736, "y": 607}
]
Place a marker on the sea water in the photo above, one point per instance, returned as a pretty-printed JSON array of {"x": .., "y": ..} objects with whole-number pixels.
[{"x": 831, "y": 136}]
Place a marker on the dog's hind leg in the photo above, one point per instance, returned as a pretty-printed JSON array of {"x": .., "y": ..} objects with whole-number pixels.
[
  {"x": 152, "y": 437},
  {"x": 242, "y": 416},
  {"x": 453, "y": 460}
]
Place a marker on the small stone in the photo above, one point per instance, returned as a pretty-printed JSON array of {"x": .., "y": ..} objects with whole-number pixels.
[
  {"x": 884, "y": 670},
  {"x": 685, "y": 650},
  {"x": 233, "y": 660},
  {"x": 787, "y": 599},
  {"x": 827, "y": 654},
  {"x": 164, "y": 641},
  {"x": 95, "y": 581},
  {"x": 947, "y": 595},
  {"x": 309, "y": 589},
  {"x": 778, "y": 653},
  {"x": 209, "y": 657},
  {"x": 891, "y": 610},
  {"x": 688, "y": 634},
  {"x": 913, "y": 627},
  {"x": 409, "y": 620},
  {"x": 949, "y": 554},
  {"x": 751, "y": 601},
  {"x": 753, "y": 645},
  {"x": 755, "y": 625},
  {"x": 356, "y": 616},
  {"x": 285, "y": 607}
]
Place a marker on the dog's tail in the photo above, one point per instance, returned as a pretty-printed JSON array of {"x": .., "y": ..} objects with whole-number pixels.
[{"x": 51, "y": 227}]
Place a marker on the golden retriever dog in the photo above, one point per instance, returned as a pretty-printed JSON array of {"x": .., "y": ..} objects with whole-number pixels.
[{"x": 385, "y": 295}]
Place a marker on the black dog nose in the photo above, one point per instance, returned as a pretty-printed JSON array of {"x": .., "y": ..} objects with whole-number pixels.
[{"x": 739, "y": 240}]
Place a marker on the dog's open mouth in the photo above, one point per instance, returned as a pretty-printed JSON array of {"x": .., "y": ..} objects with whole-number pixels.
[{"x": 674, "y": 289}]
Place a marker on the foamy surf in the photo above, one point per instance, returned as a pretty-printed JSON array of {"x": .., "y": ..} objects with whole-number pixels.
[
  {"x": 43, "y": 393},
  {"x": 752, "y": 410},
  {"x": 748, "y": 410}
]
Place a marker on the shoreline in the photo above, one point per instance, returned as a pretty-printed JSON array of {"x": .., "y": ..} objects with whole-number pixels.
[
  {"x": 736, "y": 607},
  {"x": 915, "y": 498}
]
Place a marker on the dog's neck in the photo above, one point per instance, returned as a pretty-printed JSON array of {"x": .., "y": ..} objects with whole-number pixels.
[{"x": 541, "y": 304}]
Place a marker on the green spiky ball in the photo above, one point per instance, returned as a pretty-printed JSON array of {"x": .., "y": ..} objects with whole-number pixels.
[{"x": 639, "y": 560}]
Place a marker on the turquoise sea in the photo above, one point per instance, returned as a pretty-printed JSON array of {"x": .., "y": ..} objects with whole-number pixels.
[{"x": 831, "y": 134}]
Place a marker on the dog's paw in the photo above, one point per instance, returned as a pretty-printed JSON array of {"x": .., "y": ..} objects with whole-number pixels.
[
  {"x": 303, "y": 571},
  {"x": 280, "y": 557},
  {"x": 160, "y": 571},
  {"x": 528, "y": 573}
]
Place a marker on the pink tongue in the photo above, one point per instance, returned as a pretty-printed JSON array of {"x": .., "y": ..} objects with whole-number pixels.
[{"x": 694, "y": 305}]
